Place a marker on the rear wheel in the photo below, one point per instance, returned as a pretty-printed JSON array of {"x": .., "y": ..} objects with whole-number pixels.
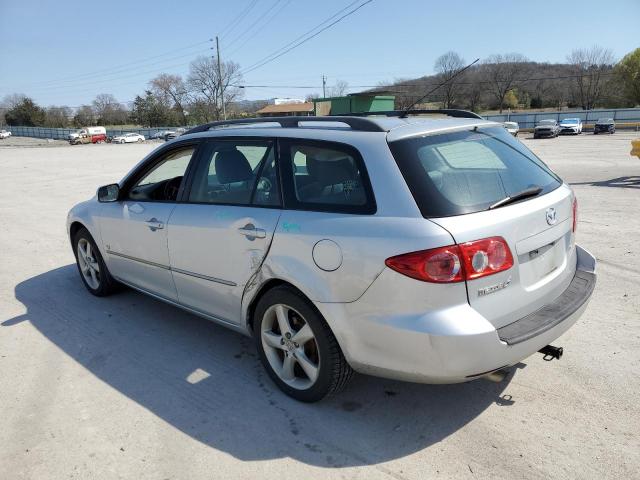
[
  {"x": 93, "y": 271},
  {"x": 297, "y": 347}
]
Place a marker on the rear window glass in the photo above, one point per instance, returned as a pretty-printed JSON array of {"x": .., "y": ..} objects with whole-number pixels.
[{"x": 466, "y": 172}]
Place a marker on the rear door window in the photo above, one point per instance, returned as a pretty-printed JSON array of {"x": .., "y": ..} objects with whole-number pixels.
[
  {"x": 325, "y": 176},
  {"x": 465, "y": 172}
]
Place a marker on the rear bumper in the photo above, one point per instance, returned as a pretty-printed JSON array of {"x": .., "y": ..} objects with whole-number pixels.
[{"x": 452, "y": 344}]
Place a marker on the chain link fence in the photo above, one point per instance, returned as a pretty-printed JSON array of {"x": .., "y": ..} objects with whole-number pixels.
[
  {"x": 63, "y": 133},
  {"x": 624, "y": 117}
]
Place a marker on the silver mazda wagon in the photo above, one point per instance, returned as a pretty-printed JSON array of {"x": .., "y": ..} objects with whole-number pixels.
[{"x": 430, "y": 248}]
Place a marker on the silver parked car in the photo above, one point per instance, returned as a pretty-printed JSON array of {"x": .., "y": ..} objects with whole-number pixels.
[{"x": 415, "y": 248}]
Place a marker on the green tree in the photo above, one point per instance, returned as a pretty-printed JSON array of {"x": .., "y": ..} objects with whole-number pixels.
[
  {"x": 149, "y": 111},
  {"x": 628, "y": 72},
  {"x": 510, "y": 99},
  {"x": 25, "y": 113}
]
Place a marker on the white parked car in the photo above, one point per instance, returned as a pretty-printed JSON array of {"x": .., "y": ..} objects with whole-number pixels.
[
  {"x": 571, "y": 126},
  {"x": 4, "y": 134},
  {"x": 512, "y": 127},
  {"x": 128, "y": 138},
  {"x": 422, "y": 249}
]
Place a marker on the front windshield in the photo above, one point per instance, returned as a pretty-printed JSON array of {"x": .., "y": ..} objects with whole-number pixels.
[
  {"x": 570, "y": 120},
  {"x": 547, "y": 122},
  {"x": 605, "y": 120},
  {"x": 466, "y": 172}
]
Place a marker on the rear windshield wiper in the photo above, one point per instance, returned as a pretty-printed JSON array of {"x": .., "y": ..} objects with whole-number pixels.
[{"x": 526, "y": 193}]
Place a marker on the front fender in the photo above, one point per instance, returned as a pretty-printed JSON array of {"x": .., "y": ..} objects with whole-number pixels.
[{"x": 85, "y": 213}]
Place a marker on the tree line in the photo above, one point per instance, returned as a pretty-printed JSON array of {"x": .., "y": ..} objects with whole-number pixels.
[{"x": 589, "y": 79}]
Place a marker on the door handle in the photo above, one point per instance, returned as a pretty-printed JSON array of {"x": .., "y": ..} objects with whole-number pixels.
[
  {"x": 154, "y": 224},
  {"x": 250, "y": 231}
]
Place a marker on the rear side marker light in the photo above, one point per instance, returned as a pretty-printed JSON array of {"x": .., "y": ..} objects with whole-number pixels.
[
  {"x": 455, "y": 263},
  {"x": 575, "y": 214}
]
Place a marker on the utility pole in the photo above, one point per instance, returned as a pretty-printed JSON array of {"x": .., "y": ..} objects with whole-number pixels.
[
  {"x": 224, "y": 111},
  {"x": 324, "y": 85}
]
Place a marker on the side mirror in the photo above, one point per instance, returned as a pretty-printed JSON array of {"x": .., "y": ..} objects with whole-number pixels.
[{"x": 109, "y": 193}]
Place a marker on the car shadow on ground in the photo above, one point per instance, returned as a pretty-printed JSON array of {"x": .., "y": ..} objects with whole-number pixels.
[
  {"x": 207, "y": 382},
  {"x": 632, "y": 181}
]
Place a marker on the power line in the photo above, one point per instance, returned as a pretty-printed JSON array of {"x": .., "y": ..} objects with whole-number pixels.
[
  {"x": 237, "y": 20},
  {"x": 401, "y": 84},
  {"x": 292, "y": 45},
  {"x": 258, "y": 30},
  {"x": 258, "y": 18},
  {"x": 110, "y": 69},
  {"x": 109, "y": 77}
]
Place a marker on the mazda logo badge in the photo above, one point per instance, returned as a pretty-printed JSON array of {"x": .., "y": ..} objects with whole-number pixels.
[{"x": 551, "y": 216}]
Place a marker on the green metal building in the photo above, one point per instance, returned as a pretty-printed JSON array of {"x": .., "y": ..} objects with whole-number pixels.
[{"x": 353, "y": 103}]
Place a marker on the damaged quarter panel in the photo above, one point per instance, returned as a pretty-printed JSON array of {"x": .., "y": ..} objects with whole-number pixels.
[{"x": 336, "y": 257}]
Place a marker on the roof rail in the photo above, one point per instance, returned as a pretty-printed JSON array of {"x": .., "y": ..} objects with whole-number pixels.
[
  {"x": 451, "y": 112},
  {"x": 355, "y": 122}
]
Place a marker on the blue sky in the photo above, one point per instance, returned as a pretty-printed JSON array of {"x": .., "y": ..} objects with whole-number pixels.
[{"x": 66, "y": 52}]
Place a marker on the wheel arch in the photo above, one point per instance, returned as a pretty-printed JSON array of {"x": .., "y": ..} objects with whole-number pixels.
[
  {"x": 261, "y": 291},
  {"x": 272, "y": 283},
  {"x": 74, "y": 228}
]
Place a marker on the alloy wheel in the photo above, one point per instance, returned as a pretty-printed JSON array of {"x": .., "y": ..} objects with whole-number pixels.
[
  {"x": 88, "y": 263},
  {"x": 290, "y": 346}
]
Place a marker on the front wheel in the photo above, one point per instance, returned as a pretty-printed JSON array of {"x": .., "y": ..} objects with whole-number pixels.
[
  {"x": 91, "y": 266},
  {"x": 297, "y": 347}
]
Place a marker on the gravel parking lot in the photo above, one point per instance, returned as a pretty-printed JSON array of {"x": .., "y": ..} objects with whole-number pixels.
[{"x": 127, "y": 387}]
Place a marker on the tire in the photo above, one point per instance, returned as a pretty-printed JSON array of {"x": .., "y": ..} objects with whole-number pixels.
[
  {"x": 140, "y": 140},
  {"x": 318, "y": 351},
  {"x": 99, "y": 283}
]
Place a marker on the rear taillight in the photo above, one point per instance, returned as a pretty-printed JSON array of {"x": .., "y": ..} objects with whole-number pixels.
[
  {"x": 485, "y": 257},
  {"x": 440, "y": 265},
  {"x": 455, "y": 263},
  {"x": 575, "y": 214}
]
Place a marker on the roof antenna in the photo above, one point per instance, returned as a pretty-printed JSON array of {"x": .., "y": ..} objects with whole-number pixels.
[{"x": 405, "y": 113}]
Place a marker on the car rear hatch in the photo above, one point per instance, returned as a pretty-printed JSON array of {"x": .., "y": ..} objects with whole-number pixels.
[
  {"x": 543, "y": 254},
  {"x": 468, "y": 182}
]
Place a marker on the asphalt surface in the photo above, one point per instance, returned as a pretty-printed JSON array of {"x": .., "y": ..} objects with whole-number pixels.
[{"x": 127, "y": 387}]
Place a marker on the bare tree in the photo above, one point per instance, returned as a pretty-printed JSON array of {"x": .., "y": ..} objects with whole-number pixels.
[
  {"x": 204, "y": 85},
  {"x": 473, "y": 90},
  {"x": 340, "y": 89},
  {"x": 84, "y": 117},
  {"x": 57, "y": 117},
  {"x": 589, "y": 67},
  {"x": 447, "y": 66},
  {"x": 108, "y": 110},
  {"x": 502, "y": 73},
  {"x": 172, "y": 90}
]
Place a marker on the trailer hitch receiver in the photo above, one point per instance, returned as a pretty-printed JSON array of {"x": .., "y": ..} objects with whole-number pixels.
[{"x": 550, "y": 352}]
